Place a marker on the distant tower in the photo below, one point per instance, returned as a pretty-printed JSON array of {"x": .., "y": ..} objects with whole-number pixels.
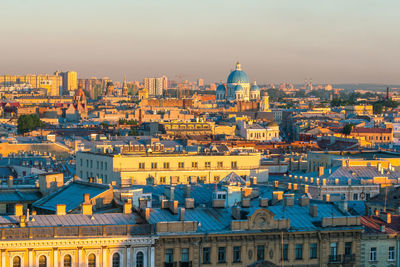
[
  {"x": 125, "y": 88},
  {"x": 110, "y": 89},
  {"x": 387, "y": 93},
  {"x": 80, "y": 97},
  {"x": 264, "y": 104}
]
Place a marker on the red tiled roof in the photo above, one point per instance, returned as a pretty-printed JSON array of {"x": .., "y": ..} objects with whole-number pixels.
[{"x": 372, "y": 224}]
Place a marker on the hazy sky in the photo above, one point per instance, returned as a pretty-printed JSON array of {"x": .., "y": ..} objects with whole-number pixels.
[{"x": 275, "y": 40}]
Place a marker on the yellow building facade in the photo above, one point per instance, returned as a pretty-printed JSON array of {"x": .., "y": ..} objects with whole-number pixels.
[{"x": 52, "y": 83}]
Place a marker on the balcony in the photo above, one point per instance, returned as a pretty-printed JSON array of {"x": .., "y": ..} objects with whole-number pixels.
[
  {"x": 349, "y": 258},
  {"x": 335, "y": 258},
  {"x": 185, "y": 264}
]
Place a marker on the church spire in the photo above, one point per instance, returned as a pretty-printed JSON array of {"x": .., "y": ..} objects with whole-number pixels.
[{"x": 238, "y": 66}]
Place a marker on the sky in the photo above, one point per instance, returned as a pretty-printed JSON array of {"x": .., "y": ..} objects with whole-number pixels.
[{"x": 330, "y": 41}]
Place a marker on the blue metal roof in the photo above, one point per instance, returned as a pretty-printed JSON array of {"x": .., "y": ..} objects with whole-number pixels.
[{"x": 238, "y": 76}]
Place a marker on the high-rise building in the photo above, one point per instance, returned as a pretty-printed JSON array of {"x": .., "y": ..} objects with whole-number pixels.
[
  {"x": 70, "y": 82},
  {"x": 165, "y": 82},
  {"x": 200, "y": 82},
  {"x": 154, "y": 86},
  {"x": 52, "y": 84}
]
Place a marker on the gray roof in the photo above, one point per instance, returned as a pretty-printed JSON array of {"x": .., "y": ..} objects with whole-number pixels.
[
  {"x": 15, "y": 195},
  {"x": 71, "y": 194}
]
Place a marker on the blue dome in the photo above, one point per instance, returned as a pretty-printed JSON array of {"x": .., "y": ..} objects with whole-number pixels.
[
  {"x": 238, "y": 88},
  {"x": 221, "y": 87},
  {"x": 254, "y": 87},
  {"x": 238, "y": 76}
]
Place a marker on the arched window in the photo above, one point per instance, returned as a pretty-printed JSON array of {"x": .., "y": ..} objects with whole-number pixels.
[
  {"x": 17, "y": 261},
  {"x": 116, "y": 259},
  {"x": 92, "y": 260},
  {"x": 42, "y": 261},
  {"x": 67, "y": 261},
  {"x": 139, "y": 259}
]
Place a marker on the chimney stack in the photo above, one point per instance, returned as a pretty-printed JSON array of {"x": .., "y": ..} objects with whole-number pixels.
[
  {"x": 288, "y": 200},
  {"x": 147, "y": 214},
  {"x": 86, "y": 198},
  {"x": 236, "y": 213},
  {"x": 19, "y": 210},
  {"x": 276, "y": 184},
  {"x": 277, "y": 195},
  {"x": 128, "y": 207},
  {"x": 321, "y": 170},
  {"x": 304, "y": 201},
  {"x": 61, "y": 209},
  {"x": 313, "y": 211},
  {"x": 10, "y": 181},
  {"x": 186, "y": 191},
  {"x": 182, "y": 214}
]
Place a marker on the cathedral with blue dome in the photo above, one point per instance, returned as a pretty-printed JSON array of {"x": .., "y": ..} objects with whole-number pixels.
[{"x": 238, "y": 87}]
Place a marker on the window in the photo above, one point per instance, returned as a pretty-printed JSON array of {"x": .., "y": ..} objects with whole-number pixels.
[
  {"x": 234, "y": 164},
  {"x": 260, "y": 253},
  {"x": 216, "y": 179},
  {"x": 169, "y": 255},
  {"x": 154, "y": 165},
  {"x": 163, "y": 180},
  {"x": 221, "y": 254},
  {"x": 17, "y": 261},
  {"x": 139, "y": 259},
  {"x": 67, "y": 261},
  {"x": 220, "y": 164},
  {"x": 91, "y": 163},
  {"x": 87, "y": 163},
  {"x": 206, "y": 255},
  {"x": 105, "y": 165},
  {"x": 185, "y": 255},
  {"x": 333, "y": 251},
  {"x": 116, "y": 260},
  {"x": 181, "y": 165},
  {"x": 92, "y": 260},
  {"x": 355, "y": 196},
  {"x": 195, "y": 165},
  {"x": 391, "y": 254},
  {"x": 81, "y": 162},
  {"x": 347, "y": 248},
  {"x": 284, "y": 252},
  {"x": 372, "y": 254},
  {"x": 42, "y": 261},
  {"x": 166, "y": 165},
  {"x": 207, "y": 164},
  {"x": 236, "y": 254},
  {"x": 101, "y": 165},
  {"x": 299, "y": 251},
  {"x": 141, "y": 165},
  {"x": 313, "y": 251},
  {"x": 97, "y": 164}
]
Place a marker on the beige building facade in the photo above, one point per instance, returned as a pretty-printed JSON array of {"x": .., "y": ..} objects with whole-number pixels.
[{"x": 163, "y": 168}]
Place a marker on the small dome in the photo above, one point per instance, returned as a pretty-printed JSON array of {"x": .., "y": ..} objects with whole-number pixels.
[
  {"x": 238, "y": 88},
  {"x": 221, "y": 87},
  {"x": 273, "y": 124},
  {"x": 238, "y": 76},
  {"x": 254, "y": 87}
]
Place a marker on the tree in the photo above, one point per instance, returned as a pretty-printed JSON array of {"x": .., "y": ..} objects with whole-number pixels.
[
  {"x": 377, "y": 108},
  {"x": 28, "y": 123},
  {"x": 347, "y": 128}
]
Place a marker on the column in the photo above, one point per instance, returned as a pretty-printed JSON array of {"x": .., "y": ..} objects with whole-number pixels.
[
  {"x": 80, "y": 260},
  {"x": 104, "y": 249},
  {"x": 152, "y": 256},
  {"x": 128, "y": 256},
  {"x": 3, "y": 258},
  {"x": 30, "y": 258},
  {"x": 55, "y": 257}
]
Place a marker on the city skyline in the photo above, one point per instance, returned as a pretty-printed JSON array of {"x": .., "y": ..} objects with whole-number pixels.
[{"x": 274, "y": 41}]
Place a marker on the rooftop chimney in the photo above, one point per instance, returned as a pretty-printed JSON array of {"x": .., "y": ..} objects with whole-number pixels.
[
  {"x": 87, "y": 209},
  {"x": 263, "y": 202},
  {"x": 321, "y": 170},
  {"x": 19, "y": 210},
  {"x": 289, "y": 186},
  {"x": 182, "y": 214},
  {"x": 304, "y": 201},
  {"x": 387, "y": 217},
  {"x": 327, "y": 197},
  {"x": 10, "y": 181},
  {"x": 288, "y": 200},
  {"x": 236, "y": 214},
  {"x": 189, "y": 203},
  {"x": 186, "y": 191},
  {"x": 313, "y": 211},
  {"x": 61, "y": 209},
  {"x": 147, "y": 214},
  {"x": 306, "y": 189},
  {"x": 277, "y": 195},
  {"x": 276, "y": 184},
  {"x": 128, "y": 207},
  {"x": 86, "y": 198}
]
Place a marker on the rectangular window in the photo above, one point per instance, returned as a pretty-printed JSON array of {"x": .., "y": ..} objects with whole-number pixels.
[
  {"x": 313, "y": 251},
  {"x": 101, "y": 165},
  {"x": 391, "y": 254},
  {"x": 162, "y": 180},
  {"x": 141, "y": 165},
  {"x": 154, "y": 165},
  {"x": 355, "y": 196},
  {"x": 284, "y": 252},
  {"x": 299, "y": 251},
  {"x": 260, "y": 252},
  {"x": 372, "y": 254},
  {"x": 206, "y": 255},
  {"x": 169, "y": 255},
  {"x": 207, "y": 164},
  {"x": 185, "y": 255},
  {"x": 91, "y": 163},
  {"x": 347, "y": 248},
  {"x": 81, "y": 162},
  {"x": 220, "y": 164},
  {"x": 333, "y": 252},
  {"x": 166, "y": 165},
  {"x": 97, "y": 164},
  {"x": 181, "y": 165},
  {"x": 87, "y": 163},
  {"x": 105, "y": 165},
  {"x": 195, "y": 165},
  {"x": 236, "y": 254},
  {"x": 234, "y": 164},
  {"x": 221, "y": 254}
]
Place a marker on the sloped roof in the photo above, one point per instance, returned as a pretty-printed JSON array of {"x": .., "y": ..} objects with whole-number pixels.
[{"x": 232, "y": 178}]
